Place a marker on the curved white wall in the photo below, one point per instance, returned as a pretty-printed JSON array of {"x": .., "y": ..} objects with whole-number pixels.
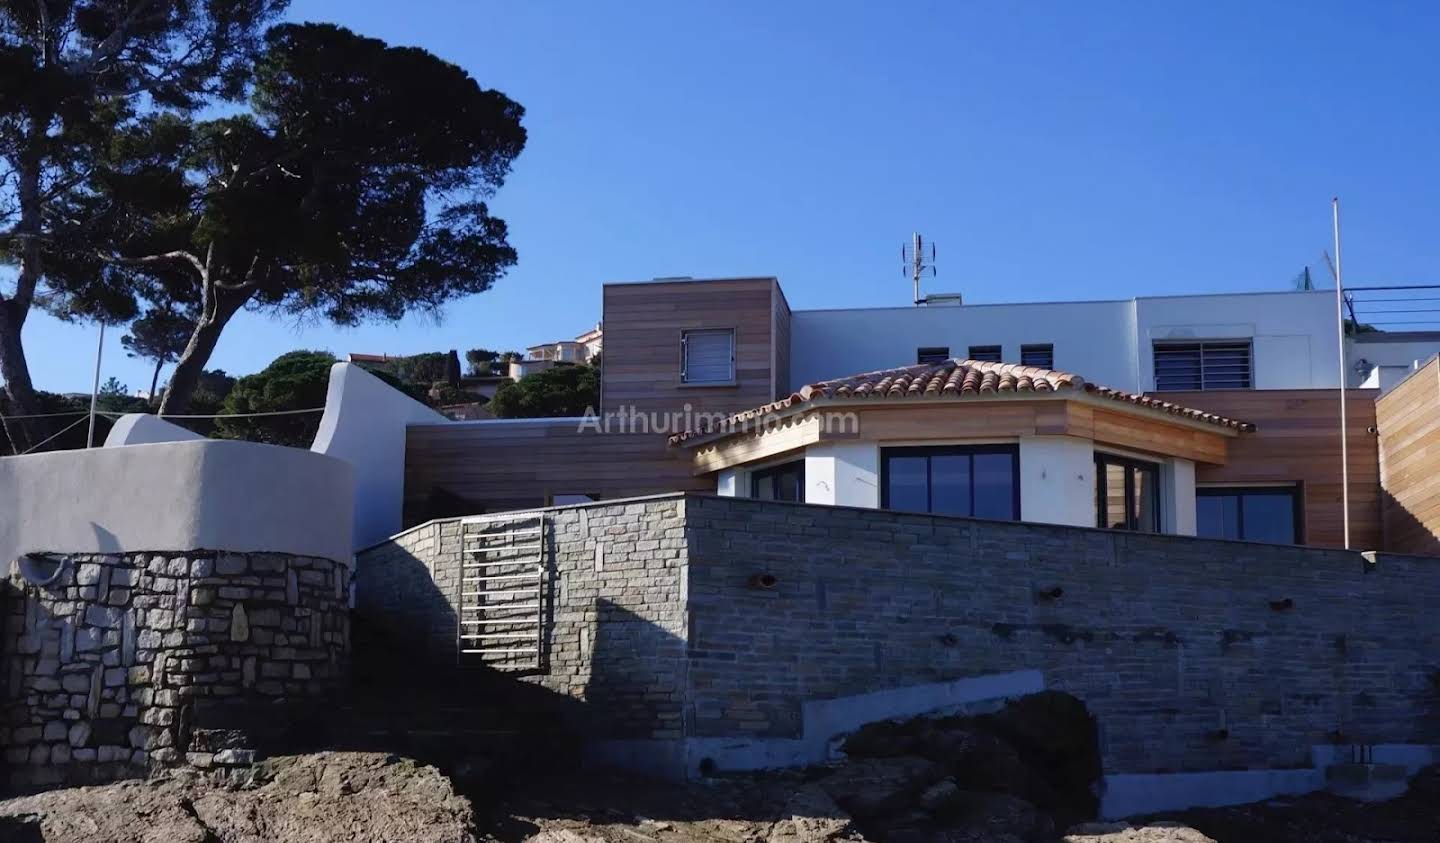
[
  {"x": 364, "y": 425},
  {"x": 177, "y": 496}
]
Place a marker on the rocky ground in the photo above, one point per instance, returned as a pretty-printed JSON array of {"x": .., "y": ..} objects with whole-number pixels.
[
  {"x": 339, "y": 796},
  {"x": 1024, "y": 774}
]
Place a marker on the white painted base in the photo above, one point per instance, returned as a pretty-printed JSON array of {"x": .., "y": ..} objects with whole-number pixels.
[
  {"x": 1412, "y": 756},
  {"x": 1131, "y": 794}
]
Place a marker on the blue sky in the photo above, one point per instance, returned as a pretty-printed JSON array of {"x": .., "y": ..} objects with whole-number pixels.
[{"x": 1052, "y": 150}]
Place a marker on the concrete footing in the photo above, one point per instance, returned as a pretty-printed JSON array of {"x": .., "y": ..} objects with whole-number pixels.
[
  {"x": 822, "y": 723},
  {"x": 1370, "y": 773}
]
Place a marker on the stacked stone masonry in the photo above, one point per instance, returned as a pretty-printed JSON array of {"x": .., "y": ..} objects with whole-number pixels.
[
  {"x": 615, "y": 620},
  {"x": 117, "y": 665},
  {"x": 665, "y": 624}
]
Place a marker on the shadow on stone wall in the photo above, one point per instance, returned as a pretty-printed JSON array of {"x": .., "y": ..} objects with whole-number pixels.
[{"x": 11, "y": 599}]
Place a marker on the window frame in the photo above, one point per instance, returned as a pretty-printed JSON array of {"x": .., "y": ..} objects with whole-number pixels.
[
  {"x": 999, "y": 351},
  {"x": 1293, "y": 491},
  {"x": 1047, "y": 348},
  {"x": 1156, "y": 346},
  {"x": 769, "y": 471},
  {"x": 685, "y": 335},
  {"x": 938, "y": 354},
  {"x": 927, "y": 451},
  {"x": 1131, "y": 465}
]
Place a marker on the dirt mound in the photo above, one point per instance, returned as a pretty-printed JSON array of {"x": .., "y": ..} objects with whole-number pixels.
[
  {"x": 1016, "y": 774},
  {"x": 328, "y": 796}
]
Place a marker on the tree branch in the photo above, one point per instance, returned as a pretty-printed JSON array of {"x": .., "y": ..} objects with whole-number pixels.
[
  {"x": 106, "y": 49},
  {"x": 164, "y": 257},
  {"x": 249, "y": 283}
]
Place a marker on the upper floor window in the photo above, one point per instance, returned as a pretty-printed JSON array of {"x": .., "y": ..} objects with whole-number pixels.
[
  {"x": 707, "y": 356},
  {"x": 784, "y": 482},
  {"x": 1267, "y": 514},
  {"x": 1127, "y": 494},
  {"x": 1203, "y": 365},
  {"x": 1041, "y": 355},
  {"x": 932, "y": 354},
  {"x": 991, "y": 353},
  {"x": 978, "y": 480}
]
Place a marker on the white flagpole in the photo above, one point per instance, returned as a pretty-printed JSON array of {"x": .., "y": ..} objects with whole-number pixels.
[
  {"x": 1340, "y": 328},
  {"x": 95, "y": 388}
]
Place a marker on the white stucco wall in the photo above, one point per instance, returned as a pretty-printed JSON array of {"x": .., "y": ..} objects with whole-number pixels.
[
  {"x": 1394, "y": 357},
  {"x": 177, "y": 496},
  {"x": 1107, "y": 342},
  {"x": 1293, "y": 334},
  {"x": 1094, "y": 339},
  {"x": 1057, "y": 480},
  {"x": 364, "y": 425},
  {"x": 843, "y": 474}
]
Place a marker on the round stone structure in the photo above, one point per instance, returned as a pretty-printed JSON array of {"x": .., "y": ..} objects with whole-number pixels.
[{"x": 116, "y": 665}]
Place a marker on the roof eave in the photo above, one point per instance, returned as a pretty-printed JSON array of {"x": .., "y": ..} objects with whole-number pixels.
[{"x": 1071, "y": 394}]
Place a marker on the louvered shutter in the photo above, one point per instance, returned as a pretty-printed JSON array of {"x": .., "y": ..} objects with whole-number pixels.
[
  {"x": 709, "y": 356},
  {"x": 1203, "y": 365}
]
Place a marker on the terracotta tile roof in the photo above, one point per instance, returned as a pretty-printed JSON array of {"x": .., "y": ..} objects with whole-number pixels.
[{"x": 954, "y": 379}]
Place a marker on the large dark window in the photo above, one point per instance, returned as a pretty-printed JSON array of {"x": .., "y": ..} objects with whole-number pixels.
[
  {"x": 1257, "y": 515},
  {"x": 988, "y": 353},
  {"x": 785, "y": 482},
  {"x": 932, "y": 354},
  {"x": 1127, "y": 494},
  {"x": 980, "y": 480},
  {"x": 1202, "y": 365}
]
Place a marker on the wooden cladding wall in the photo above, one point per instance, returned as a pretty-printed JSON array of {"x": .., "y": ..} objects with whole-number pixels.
[
  {"x": 780, "y": 318},
  {"x": 469, "y": 469},
  {"x": 1297, "y": 441},
  {"x": 1409, "y": 420},
  {"x": 643, "y": 323}
]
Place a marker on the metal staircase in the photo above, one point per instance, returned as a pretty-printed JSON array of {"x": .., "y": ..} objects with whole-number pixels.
[{"x": 502, "y": 592}]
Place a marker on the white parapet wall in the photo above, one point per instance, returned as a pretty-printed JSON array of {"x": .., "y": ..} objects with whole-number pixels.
[
  {"x": 364, "y": 425},
  {"x": 177, "y": 496}
]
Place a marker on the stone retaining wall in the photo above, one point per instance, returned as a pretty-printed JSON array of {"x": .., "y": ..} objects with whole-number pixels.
[
  {"x": 121, "y": 664},
  {"x": 680, "y": 621},
  {"x": 1192, "y": 654}
]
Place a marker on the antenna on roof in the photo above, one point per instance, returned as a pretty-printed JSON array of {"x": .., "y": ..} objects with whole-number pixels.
[{"x": 913, "y": 258}]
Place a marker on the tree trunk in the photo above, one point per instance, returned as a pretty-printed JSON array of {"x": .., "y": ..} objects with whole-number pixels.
[
  {"x": 13, "y": 368},
  {"x": 155, "y": 379},
  {"x": 186, "y": 376},
  {"x": 18, "y": 388}
]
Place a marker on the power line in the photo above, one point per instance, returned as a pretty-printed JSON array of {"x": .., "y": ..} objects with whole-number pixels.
[
  {"x": 62, "y": 430},
  {"x": 242, "y": 415}
]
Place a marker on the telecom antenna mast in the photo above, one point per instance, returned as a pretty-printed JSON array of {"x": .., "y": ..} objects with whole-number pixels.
[{"x": 913, "y": 257}]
